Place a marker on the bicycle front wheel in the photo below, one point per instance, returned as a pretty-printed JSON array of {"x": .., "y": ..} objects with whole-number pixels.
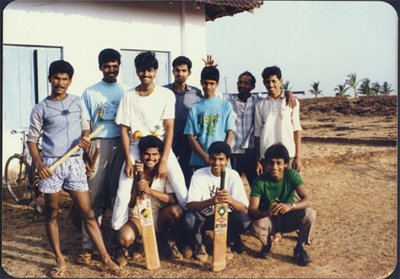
[{"x": 17, "y": 179}]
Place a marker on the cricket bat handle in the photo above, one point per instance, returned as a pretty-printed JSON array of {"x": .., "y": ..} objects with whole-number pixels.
[
  {"x": 74, "y": 149},
  {"x": 140, "y": 177},
  {"x": 222, "y": 185}
]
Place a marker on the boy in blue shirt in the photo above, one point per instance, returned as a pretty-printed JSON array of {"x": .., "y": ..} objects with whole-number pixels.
[
  {"x": 209, "y": 120},
  {"x": 273, "y": 206}
]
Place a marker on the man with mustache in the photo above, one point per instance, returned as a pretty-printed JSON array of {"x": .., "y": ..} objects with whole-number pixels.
[
  {"x": 104, "y": 160},
  {"x": 58, "y": 119}
]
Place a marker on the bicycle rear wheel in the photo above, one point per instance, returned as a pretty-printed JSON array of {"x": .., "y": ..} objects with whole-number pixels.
[{"x": 17, "y": 179}]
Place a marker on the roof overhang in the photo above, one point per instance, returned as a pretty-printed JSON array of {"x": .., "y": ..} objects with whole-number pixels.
[{"x": 215, "y": 8}]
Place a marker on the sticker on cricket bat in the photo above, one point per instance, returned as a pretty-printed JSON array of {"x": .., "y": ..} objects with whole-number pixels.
[
  {"x": 220, "y": 226},
  {"x": 220, "y": 232},
  {"x": 146, "y": 215}
]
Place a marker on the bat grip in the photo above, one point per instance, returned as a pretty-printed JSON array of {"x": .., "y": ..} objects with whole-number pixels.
[
  {"x": 222, "y": 185},
  {"x": 139, "y": 177}
]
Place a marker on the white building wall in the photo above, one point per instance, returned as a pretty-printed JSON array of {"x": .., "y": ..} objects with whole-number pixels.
[{"x": 83, "y": 29}]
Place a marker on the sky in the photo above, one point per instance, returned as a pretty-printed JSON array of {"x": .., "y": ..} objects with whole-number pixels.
[{"x": 310, "y": 41}]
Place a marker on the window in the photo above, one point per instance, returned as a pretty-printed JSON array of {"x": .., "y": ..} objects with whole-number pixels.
[
  {"x": 128, "y": 71},
  {"x": 25, "y": 71}
]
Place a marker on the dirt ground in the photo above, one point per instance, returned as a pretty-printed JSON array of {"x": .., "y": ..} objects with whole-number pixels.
[{"x": 350, "y": 165}]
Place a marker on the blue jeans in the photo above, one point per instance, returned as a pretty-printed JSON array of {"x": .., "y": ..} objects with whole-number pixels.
[{"x": 196, "y": 224}]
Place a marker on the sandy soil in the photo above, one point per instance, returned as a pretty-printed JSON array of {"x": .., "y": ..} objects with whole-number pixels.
[{"x": 350, "y": 164}]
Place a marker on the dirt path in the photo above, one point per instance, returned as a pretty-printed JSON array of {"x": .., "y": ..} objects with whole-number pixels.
[{"x": 354, "y": 191}]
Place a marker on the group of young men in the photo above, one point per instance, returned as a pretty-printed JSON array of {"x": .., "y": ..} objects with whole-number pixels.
[{"x": 179, "y": 139}]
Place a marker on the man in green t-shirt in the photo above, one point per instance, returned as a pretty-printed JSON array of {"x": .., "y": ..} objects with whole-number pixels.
[{"x": 273, "y": 207}]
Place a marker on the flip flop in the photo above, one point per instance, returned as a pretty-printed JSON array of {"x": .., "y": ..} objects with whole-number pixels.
[
  {"x": 117, "y": 271},
  {"x": 58, "y": 271},
  {"x": 84, "y": 258}
]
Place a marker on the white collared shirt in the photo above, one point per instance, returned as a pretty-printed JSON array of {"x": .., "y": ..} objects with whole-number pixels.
[{"x": 275, "y": 122}]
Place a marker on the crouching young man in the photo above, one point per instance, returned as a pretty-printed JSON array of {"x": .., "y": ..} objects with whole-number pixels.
[
  {"x": 204, "y": 193},
  {"x": 272, "y": 204},
  {"x": 166, "y": 212}
]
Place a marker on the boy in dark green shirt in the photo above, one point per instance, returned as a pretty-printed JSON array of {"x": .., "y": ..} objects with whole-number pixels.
[{"x": 273, "y": 206}]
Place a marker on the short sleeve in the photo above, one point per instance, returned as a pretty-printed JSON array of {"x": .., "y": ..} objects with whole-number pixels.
[
  {"x": 296, "y": 117},
  {"x": 258, "y": 120},
  {"x": 169, "y": 112},
  {"x": 230, "y": 124},
  {"x": 295, "y": 178},
  {"x": 195, "y": 192},
  {"x": 35, "y": 124},
  {"x": 190, "y": 125},
  {"x": 122, "y": 117},
  {"x": 256, "y": 188}
]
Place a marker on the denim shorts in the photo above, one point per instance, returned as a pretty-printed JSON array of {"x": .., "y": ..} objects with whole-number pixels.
[{"x": 70, "y": 175}]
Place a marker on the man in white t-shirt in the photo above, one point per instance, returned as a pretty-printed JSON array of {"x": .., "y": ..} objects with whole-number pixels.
[
  {"x": 147, "y": 109},
  {"x": 204, "y": 193}
]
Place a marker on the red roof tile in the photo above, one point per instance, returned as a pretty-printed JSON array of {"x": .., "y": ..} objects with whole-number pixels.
[{"x": 215, "y": 9}]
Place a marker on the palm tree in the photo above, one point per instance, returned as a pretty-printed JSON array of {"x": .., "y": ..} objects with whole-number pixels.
[
  {"x": 386, "y": 88},
  {"x": 285, "y": 86},
  {"x": 375, "y": 88},
  {"x": 365, "y": 87},
  {"x": 314, "y": 89},
  {"x": 352, "y": 82},
  {"x": 341, "y": 90}
]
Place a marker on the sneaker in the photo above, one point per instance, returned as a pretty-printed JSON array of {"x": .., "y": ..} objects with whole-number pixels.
[
  {"x": 201, "y": 253},
  {"x": 187, "y": 252},
  {"x": 300, "y": 256},
  {"x": 120, "y": 257},
  {"x": 265, "y": 251},
  {"x": 173, "y": 252},
  {"x": 136, "y": 253},
  {"x": 237, "y": 245},
  {"x": 229, "y": 254}
]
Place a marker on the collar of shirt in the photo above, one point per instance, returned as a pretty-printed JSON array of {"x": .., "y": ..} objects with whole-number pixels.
[
  {"x": 282, "y": 96},
  {"x": 172, "y": 87}
]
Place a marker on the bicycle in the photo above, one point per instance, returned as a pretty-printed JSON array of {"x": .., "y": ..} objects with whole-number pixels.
[{"x": 20, "y": 177}]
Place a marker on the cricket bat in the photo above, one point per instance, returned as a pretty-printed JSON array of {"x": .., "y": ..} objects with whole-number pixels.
[
  {"x": 220, "y": 232},
  {"x": 148, "y": 232}
]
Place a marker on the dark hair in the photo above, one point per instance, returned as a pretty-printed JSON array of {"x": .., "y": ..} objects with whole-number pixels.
[
  {"x": 220, "y": 147},
  {"x": 146, "y": 60},
  {"x": 109, "y": 54},
  {"x": 277, "y": 151},
  {"x": 182, "y": 60},
  {"x": 271, "y": 71},
  {"x": 210, "y": 72},
  {"x": 149, "y": 142},
  {"x": 252, "y": 78},
  {"x": 61, "y": 66}
]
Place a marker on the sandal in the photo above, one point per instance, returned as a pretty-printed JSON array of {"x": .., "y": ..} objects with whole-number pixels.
[
  {"x": 58, "y": 271},
  {"x": 118, "y": 271},
  {"x": 84, "y": 258}
]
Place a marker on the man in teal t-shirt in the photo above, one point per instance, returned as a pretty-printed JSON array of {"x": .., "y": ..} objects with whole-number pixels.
[
  {"x": 209, "y": 120},
  {"x": 273, "y": 206}
]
